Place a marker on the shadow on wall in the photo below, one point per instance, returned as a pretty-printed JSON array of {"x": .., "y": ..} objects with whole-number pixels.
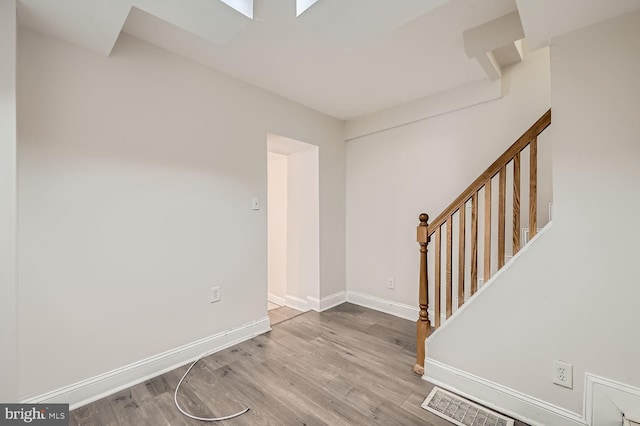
[{"x": 293, "y": 223}]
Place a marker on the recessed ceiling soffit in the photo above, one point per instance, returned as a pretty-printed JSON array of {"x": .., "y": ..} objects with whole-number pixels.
[{"x": 495, "y": 44}]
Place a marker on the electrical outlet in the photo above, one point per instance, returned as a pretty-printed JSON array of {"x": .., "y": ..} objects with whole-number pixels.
[
  {"x": 391, "y": 283},
  {"x": 563, "y": 374},
  {"x": 480, "y": 282},
  {"x": 215, "y": 294}
]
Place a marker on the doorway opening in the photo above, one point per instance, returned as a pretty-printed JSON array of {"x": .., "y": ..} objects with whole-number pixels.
[{"x": 293, "y": 217}]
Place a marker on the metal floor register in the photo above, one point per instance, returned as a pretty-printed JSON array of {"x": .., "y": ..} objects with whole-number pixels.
[{"x": 462, "y": 412}]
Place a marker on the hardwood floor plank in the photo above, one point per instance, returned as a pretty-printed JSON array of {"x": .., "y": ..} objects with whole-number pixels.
[
  {"x": 300, "y": 328},
  {"x": 213, "y": 390},
  {"x": 153, "y": 387},
  {"x": 96, "y": 413},
  {"x": 367, "y": 371},
  {"x": 165, "y": 404},
  {"x": 276, "y": 404},
  {"x": 413, "y": 405},
  {"x": 346, "y": 366},
  {"x": 147, "y": 414},
  {"x": 308, "y": 402},
  {"x": 265, "y": 408},
  {"x": 282, "y": 314},
  {"x": 368, "y": 403}
]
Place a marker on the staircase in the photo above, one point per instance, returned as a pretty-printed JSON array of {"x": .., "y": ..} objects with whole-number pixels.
[{"x": 443, "y": 227}]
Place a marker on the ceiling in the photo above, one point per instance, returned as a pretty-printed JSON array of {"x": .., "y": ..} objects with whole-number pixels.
[{"x": 343, "y": 58}]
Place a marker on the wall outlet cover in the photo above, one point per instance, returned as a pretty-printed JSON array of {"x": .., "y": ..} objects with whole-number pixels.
[
  {"x": 391, "y": 283},
  {"x": 563, "y": 374},
  {"x": 215, "y": 294}
]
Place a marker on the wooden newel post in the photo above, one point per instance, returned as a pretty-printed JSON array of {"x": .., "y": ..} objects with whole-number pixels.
[{"x": 423, "y": 325}]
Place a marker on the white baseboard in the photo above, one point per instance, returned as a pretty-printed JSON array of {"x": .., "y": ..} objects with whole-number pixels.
[
  {"x": 387, "y": 306},
  {"x": 280, "y": 301},
  {"x": 297, "y": 303},
  {"x": 313, "y": 303},
  {"x": 513, "y": 403},
  {"x": 94, "y": 388},
  {"x": 328, "y": 302}
]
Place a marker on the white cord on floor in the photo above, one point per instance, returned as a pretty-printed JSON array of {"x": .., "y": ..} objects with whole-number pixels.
[{"x": 204, "y": 419}]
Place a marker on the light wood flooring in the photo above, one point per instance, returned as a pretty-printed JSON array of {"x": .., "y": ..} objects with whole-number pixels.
[
  {"x": 271, "y": 306},
  {"x": 346, "y": 366},
  {"x": 283, "y": 313}
]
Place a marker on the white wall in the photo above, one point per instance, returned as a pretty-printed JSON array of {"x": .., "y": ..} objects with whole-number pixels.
[
  {"x": 396, "y": 174},
  {"x": 303, "y": 275},
  {"x": 136, "y": 174},
  {"x": 277, "y": 225},
  {"x": 8, "y": 279},
  {"x": 294, "y": 213},
  {"x": 574, "y": 295}
]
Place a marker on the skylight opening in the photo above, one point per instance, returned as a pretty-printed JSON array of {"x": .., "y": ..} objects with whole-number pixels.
[
  {"x": 246, "y": 6},
  {"x": 243, "y": 6},
  {"x": 302, "y": 5}
]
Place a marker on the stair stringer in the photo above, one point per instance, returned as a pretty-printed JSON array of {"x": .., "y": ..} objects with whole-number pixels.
[
  {"x": 458, "y": 352},
  {"x": 487, "y": 285}
]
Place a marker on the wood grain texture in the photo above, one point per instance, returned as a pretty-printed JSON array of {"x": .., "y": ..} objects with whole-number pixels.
[
  {"x": 537, "y": 128},
  {"x": 487, "y": 230},
  {"x": 282, "y": 313},
  {"x": 533, "y": 187},
  {"x": 354, "y": 370},
  {"x": 461, "y": 252},
  {"x": 437, "y": 280},
  {"x": 502, "y": 211},
  {"x": 474, "y": 243},
  {"x": 516, "y": 203},
  {"x": 449, "y": 263},
  {"x": 423, "y": 325}
]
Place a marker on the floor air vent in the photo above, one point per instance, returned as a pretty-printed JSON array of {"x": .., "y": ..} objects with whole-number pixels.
[{"x": 461, "y": 412}]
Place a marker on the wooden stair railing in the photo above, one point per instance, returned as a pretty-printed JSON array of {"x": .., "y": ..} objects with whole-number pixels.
[{"x": 445, "y": 219}]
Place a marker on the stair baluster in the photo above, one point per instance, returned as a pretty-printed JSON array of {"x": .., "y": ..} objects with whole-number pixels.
[
  {"x": 533, "y": 188},
  {"x": 446, "y": 218},
  {"x": 516, "y": 203}
]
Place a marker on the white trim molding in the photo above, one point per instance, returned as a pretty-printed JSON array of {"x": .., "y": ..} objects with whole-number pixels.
[
  {"x": 486, "y": 285},
  {"x": 518, "y": 405},
  {"x": 102, "y": 385},
  {"x": 280, "y": 301},
  {"x": 297, "y": 303},
  {"x": 606, "y": 400},
  {"x": 315, "y": 304},
  {"x": 387, "y": 306},
  {"x": 455, "y": 99},
  {"x": 328, "y": 302}
]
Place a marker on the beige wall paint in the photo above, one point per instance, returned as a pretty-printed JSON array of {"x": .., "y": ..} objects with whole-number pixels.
[
  {"x": 277, "y": 226},
  {"x": 573, "y": 296},
  {"x": 136, "y": 176},
  {"x": 8, "y": 278},
  {"x": 294, "y": 238},
  {"x": 303, "y": 275}
]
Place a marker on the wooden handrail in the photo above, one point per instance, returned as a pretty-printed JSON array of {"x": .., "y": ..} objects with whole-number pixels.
[
  {"x": 493, "y": 169},
  {"x": 458, "y": 207}
]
